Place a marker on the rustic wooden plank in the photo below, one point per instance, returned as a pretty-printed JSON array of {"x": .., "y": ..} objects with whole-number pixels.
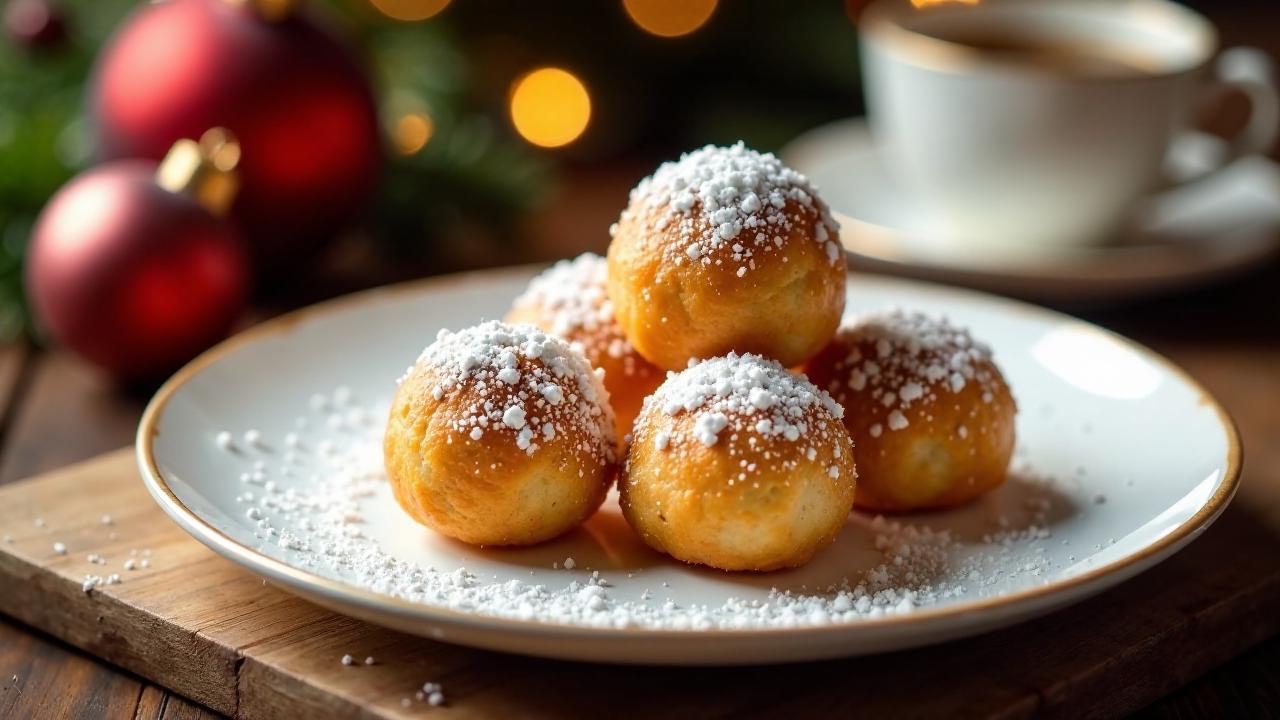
[
  {"x": 156, "y": 703},
  {"x": 179, "y": 708},
  {"x": 113, "y": 630},
  {"x": 37, "y": 674},
  {"x": 151, "y": 703},
  {"x": 215, "y": 633},
  {"x": 19, "y": 366},
  {"x": 1247, "y": 687}
]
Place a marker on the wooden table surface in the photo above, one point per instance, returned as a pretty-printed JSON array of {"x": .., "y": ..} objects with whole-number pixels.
[{"x": 54, "y": 410}]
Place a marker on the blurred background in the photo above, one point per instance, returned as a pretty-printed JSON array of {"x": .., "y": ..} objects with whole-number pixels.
[{"x": 505, "y": 133}]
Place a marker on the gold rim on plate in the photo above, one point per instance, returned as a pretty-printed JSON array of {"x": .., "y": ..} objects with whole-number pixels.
[{"x": 310, "y": 582}]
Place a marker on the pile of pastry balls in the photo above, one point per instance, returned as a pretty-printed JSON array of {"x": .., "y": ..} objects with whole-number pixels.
[{"x": 707, "y": 364}]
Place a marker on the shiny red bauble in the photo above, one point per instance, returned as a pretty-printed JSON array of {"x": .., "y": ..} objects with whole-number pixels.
[
  {"x": 134, "y": 278},
  {"x": 34, "y": 24},
  {"x": 291, "y": 93}
]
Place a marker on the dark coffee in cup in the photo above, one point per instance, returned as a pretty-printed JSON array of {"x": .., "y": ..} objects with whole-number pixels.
[{"x": 1075, "y": 55}]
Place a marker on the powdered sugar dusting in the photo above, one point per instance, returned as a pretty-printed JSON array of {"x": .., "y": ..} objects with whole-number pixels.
[
  {"x": 574, "y": 294},
  {"x": 747, "y": 397},
  {"x": 902, "y": 358},
  {"x": 729, "y": 206},
  {"x": 518, "y": 380},
  {"x": 329, "y": 510}
]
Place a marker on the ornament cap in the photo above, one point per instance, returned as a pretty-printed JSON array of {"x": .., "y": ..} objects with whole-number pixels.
[
  {"x": 270, "y": 10},
  {"x": 204, "y": 170}
]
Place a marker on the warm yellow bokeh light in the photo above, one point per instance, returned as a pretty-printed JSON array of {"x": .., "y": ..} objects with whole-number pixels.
[
  {"x": 927, "y": 3},
  {"x": 550, "y": 107},
  {"x": 412, "y": 132},
  {"x": 410, "y": 10},
  {"x": 670, "y": 18}
]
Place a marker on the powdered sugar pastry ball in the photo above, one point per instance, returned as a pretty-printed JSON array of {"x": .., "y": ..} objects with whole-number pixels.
[
  {"x": 570, "y": 300},
  {"x": 500, "y": 435},
  {"x": 740, "y": 465},
  {"x": 726, "y": 249},
  {"x": 929, "y": 410}
]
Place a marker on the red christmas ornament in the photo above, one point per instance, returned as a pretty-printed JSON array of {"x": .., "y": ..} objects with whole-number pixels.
[
  {"x": 34, "y": 24},
  {"x": 133, "y": 266},
  {"x": 284, "y": 86}
]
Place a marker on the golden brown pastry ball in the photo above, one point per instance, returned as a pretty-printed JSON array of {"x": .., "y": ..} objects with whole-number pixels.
[
  {"x": 927, "y": 407},
  {"x": 500, "y": 435},
  {"x": 570, "y": 300},
  {"x": 738, "y": 464},
  {"x": 726, "y": 250}
]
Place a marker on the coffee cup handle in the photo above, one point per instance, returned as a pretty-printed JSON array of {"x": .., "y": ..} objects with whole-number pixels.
[
  {"x": 1252, "y": 72},
  {"x": 1247, "y": 70}
]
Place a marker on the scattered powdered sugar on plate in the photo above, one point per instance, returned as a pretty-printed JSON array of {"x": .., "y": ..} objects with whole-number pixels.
[
  {"x": 314, "y": 512},
  {"x": 725, "y": 205}
]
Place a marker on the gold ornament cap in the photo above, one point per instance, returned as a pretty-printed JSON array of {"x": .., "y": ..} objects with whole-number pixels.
[
  {"x": 270, "y": 10},
  {"x": 204, "y": 170}
]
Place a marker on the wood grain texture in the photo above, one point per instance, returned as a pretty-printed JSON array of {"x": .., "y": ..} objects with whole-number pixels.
[
  {"x": 1247, "y": 687},
  {"x": 212, "y": 632},
  {"x": 39, "y": 673}
]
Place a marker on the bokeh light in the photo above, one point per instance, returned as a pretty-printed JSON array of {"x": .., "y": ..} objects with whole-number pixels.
[
  {"x": 412, "y": 132},
  {"x": 550, "y": 107},
  {"x": 927, "y": 3},
  {"x": 221, "y": 148},
  {"x": 410, "y": 10},
  {"x": 670, "y": 18}
]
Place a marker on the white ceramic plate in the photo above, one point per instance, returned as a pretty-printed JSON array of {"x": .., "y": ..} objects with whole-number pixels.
[
  {"x": 1122, "y": 460},
  {"x": 1221, "y": 224}
]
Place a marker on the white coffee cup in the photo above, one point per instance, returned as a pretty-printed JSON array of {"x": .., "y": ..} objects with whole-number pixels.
[{"x": 1028, "y": 124}]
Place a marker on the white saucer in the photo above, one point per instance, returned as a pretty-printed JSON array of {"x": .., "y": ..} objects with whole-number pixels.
[
  {"x": 1122, "y": 459},
  {"x": 1203, "y": 231}
]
